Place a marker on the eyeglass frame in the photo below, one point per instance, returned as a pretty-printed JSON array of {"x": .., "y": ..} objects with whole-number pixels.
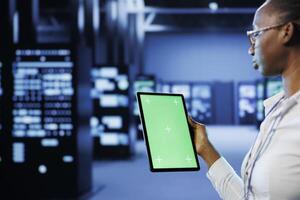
[{"x": 260, "y": 31}]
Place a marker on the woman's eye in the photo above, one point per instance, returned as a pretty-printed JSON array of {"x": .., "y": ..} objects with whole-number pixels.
[{"x": 256, "y": 34}]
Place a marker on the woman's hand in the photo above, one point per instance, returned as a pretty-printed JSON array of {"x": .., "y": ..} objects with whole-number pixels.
[
  {"x": 200, "y": 136},
  {"x": 203, "y": 146}
]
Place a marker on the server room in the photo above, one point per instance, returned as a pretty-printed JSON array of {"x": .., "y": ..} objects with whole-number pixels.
[{"x": 70, "y": 122}]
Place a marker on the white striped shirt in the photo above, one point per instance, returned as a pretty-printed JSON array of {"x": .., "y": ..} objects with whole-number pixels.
[{"x": 276, "y": 173}]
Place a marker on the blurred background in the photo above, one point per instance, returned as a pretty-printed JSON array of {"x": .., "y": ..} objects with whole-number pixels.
[{"x": 69, "y": 71}]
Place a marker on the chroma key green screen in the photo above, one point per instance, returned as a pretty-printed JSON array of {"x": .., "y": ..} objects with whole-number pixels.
[{"x": 167, "y": 132}]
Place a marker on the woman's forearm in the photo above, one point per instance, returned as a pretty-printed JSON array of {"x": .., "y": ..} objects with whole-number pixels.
[{"x": 210, "y": 155}]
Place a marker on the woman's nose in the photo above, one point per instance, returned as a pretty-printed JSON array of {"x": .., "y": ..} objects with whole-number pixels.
[{"x": 251, "y": 50}]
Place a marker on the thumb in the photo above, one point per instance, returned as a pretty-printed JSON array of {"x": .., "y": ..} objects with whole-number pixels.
[{"x": 192, "y": 122}]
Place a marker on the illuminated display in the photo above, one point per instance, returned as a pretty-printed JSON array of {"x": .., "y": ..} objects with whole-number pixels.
[
  {"x": 246, "y": 103},
  {"x": 202, "y": 103},
  {"x": 42, "y": 103},
  {"x": 110, "y": 94}
]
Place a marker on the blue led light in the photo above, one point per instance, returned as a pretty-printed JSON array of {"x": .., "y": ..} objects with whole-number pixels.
[{"x": 42, "y": 169}]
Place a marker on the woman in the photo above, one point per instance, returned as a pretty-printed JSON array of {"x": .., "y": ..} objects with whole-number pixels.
[{"x": 271, "y": 169}]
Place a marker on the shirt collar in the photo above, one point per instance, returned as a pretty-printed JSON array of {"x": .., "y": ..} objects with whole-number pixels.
[
  {"x": 297, "y": 97},
  {"x": 270, "y": 102}
]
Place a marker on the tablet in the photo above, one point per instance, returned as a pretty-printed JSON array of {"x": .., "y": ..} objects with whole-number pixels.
[{"x": 166, "y": 132}]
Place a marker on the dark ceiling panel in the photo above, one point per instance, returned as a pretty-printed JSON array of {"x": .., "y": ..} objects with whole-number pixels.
[{"x": 204, "y": 3}]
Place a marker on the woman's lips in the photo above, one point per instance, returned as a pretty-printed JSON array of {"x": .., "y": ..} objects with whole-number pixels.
[{"x": 254, "y": 64}]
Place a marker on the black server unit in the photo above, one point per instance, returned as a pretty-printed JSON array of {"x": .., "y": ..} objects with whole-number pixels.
[
  {"x": 202, "y": 103},
  {"x": 4, "y": 42},
  {"x": 50, "y": 146},
  {"x": 142, "y": 83},
  {"x": 5, "y": 52},
  {"x": 1, "y": 93},
  {"x": 223, "y": 104},
  {"x": 110, "y": 121},
  {"x": 246, "y": 103}
]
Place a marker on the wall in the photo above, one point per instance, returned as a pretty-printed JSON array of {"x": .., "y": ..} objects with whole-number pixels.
[{"x": 199, "y": 56}]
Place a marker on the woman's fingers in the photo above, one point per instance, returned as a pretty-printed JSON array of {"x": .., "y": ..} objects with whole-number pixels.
[{"x": 194, "y": 123}]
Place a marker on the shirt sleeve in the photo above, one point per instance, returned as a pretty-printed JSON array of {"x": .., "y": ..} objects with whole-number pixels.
[{"x": 225, "y": 180}]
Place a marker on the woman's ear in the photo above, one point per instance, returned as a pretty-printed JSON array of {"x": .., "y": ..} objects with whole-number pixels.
[{"x": 287, "y": 33}]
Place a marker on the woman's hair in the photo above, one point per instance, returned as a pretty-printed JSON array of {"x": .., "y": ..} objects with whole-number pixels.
[{"x": 289, "y": 9}]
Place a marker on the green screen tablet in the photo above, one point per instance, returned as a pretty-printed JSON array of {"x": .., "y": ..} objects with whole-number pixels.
[{"x": 166, "y": 132}]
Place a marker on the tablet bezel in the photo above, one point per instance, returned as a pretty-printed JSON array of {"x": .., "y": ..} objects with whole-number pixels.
[{"x": 138, "y": 94}]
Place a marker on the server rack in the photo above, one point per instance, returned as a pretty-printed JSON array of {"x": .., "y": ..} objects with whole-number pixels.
[
  {"x": 201, "y": 108},
  {"x": 223, "y": 93},
  {"x": 246, "y": 103},
  {"x": 47, "y": 151},
  {"x": 110, "y": 121},
  {"x": 50, "y": 145}
]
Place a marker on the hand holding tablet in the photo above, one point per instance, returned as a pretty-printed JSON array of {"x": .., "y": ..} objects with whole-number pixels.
[{"x": 166, "y": 132}]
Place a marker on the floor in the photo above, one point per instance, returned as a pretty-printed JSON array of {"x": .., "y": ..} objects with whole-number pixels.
[{"x": 132, "y": 179}]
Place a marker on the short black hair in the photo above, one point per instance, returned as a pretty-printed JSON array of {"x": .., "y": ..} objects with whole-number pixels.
[{"x": 289, "y": 9}]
